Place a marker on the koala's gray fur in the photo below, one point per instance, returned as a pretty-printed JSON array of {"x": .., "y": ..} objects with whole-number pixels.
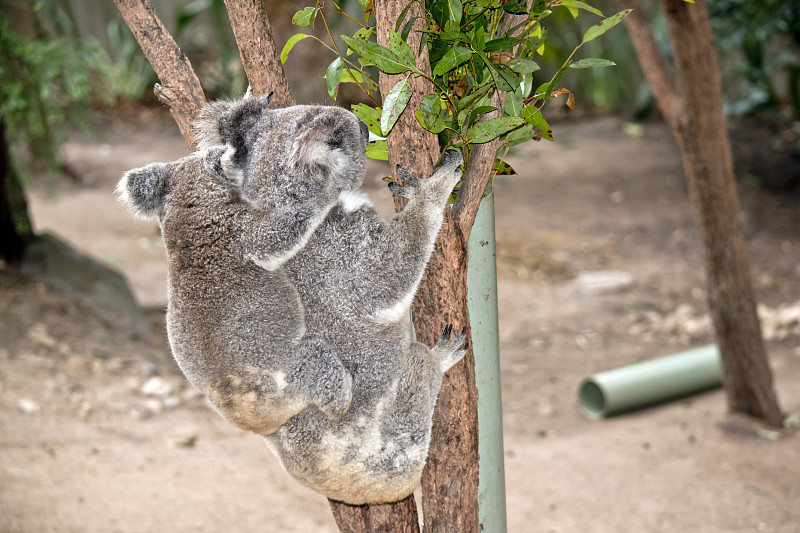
[{"x": 289, "y": 295}]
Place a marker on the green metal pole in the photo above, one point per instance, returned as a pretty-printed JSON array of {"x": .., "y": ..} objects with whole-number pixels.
[
  {"x": 650, "y": 382},
  {"x": 482, "y": 303}
]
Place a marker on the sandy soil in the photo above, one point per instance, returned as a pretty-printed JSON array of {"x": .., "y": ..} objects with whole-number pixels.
[{"x": 99, "y": 433}]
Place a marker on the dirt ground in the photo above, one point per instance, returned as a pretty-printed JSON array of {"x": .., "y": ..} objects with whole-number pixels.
[{"x": 100, "y": 433}]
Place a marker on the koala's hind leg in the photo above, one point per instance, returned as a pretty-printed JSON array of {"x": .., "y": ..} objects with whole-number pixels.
[
  {"x": 262, "y": 400},
  {"x": 317, "y": 374},
  {"x": 448, "y": 351}
]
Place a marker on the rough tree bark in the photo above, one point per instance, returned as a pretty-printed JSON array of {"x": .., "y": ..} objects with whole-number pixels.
[
  {"x": 260, "y": 58},
  {"x": 450, "y": 481},
  {"x": 180, "y": 90},
  {"x": 692, "y": 106}
]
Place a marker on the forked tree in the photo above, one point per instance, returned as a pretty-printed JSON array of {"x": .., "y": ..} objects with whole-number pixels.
[
  {"x": 691, "y": 103},
  {"x": 453, "y": 458},
  {"x": 473, "y": 90}
]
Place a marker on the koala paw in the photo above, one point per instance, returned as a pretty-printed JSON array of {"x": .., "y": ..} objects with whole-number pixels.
[
  {"x": 399, "y": 190},
  {"x": 410, "y": 183},
  {"x": 450, "y": 351},
  {"x": 452, "y": 159},
  {"x": 338, "y": 397},
  {"x": 449, "y": 171}
]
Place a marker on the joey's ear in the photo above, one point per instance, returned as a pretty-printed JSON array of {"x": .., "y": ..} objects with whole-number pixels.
[
  {"x": 207, "y": 127},
  {"x": 220, "y": 162},
  {"x": 143, "y": 189}
]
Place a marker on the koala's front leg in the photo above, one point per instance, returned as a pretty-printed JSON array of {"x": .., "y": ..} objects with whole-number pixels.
[
  {"x": 406, "y": 246},
  {"x": 278, "y": 234}
]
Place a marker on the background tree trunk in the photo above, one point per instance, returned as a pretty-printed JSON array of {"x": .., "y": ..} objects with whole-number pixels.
[
  {"x": 692, "y": 106},
  {"x": 16, "y": 230}
]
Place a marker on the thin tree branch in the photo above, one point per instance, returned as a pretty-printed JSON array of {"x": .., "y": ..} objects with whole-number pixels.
[
  {"x": 260, "y": 58},
  {"x": 180, "y": 89},
  {"x": 477, "y": 175},
  {"x": 481, "y": 162},
  {"x": 651, "y": 61}
]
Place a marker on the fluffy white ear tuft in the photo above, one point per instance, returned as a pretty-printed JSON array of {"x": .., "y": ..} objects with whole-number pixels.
[
  {"x": 230, "y": 171},
  {"x": 143, "y": 189}
]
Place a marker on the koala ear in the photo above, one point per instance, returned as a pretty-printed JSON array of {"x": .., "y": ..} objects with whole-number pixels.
[
  {"x": 207, "y": 127},
  {"x": 219, "y": 161},
  {"x": 143, "y": 189}
]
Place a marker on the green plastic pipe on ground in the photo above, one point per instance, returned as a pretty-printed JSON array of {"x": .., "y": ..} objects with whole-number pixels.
[
  {"x": 482, "y": 304},
  {"x": 650, "y": 382}
]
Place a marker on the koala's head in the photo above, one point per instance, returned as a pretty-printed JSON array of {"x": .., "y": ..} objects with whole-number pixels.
[{"x": 286, "y": 155}]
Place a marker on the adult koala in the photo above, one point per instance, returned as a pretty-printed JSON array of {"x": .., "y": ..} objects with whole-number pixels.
[{"x": 296, "y": 172}]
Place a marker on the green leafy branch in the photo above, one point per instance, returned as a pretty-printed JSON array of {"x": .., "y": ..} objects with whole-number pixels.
[{"x": 476, "y": 48}]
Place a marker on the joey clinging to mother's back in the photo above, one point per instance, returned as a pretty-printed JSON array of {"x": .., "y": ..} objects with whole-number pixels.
[{"x": 290, "y": 179}]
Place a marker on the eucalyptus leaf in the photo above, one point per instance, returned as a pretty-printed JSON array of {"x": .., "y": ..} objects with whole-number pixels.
[
  {"x": 402, "y": 15},
  {"x": 383, "y": 58},
  {"x": 488, "y": 130},
  {"x": 454, "y": 11},
  {"x": 501, "y": 168},
  {"x": 431, "y": 106},
  {"x": 394, "y": 104},
  {"x": 516, "y": 7},
  {"x": 378, "y": 150},
  {"x": 400, "y": 47},
  {"x": 305, "y": 17},
  {"x": 422, "y": 119},
  {"x": 591, "y": 62},
  {"x": 371, "y": 117},
  {"x": 351, "y": 76},
  {"x": 577, "y": 4},
  {"x": 453, "y": 58},
  {"x": 521, "y": 135},
  {"x": 523, "y": 66},
  {"x": 407, "y": 29},
  {"x": 503, "y": 43},
  {"x": 479, "y": 41},
  {"x": 601, "y": 27},
  {"x": 436, "y": 126},
  {"x": 290, "y": 44},
  {"x": 514, "y": 103},
  {"x": 333, "y": 76},
  {"x": 534, "y": 117}
]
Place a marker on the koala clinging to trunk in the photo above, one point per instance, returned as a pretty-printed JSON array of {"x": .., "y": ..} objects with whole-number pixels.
[{"x": 289, "y": 295}]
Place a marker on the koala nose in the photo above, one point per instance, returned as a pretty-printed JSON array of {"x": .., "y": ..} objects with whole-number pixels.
[{"x": 364, "y": 130}]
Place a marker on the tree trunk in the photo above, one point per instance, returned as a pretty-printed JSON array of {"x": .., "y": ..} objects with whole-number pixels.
[
  {"x": 399, "y": 517},
  {"x": 15, "y": 224},
  {"x": 693, "y": 108},
  {"x": 450, "y": 479}
]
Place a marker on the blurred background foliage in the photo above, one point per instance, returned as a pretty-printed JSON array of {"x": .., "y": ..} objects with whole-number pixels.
[{"x": 62, "y": 58}]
